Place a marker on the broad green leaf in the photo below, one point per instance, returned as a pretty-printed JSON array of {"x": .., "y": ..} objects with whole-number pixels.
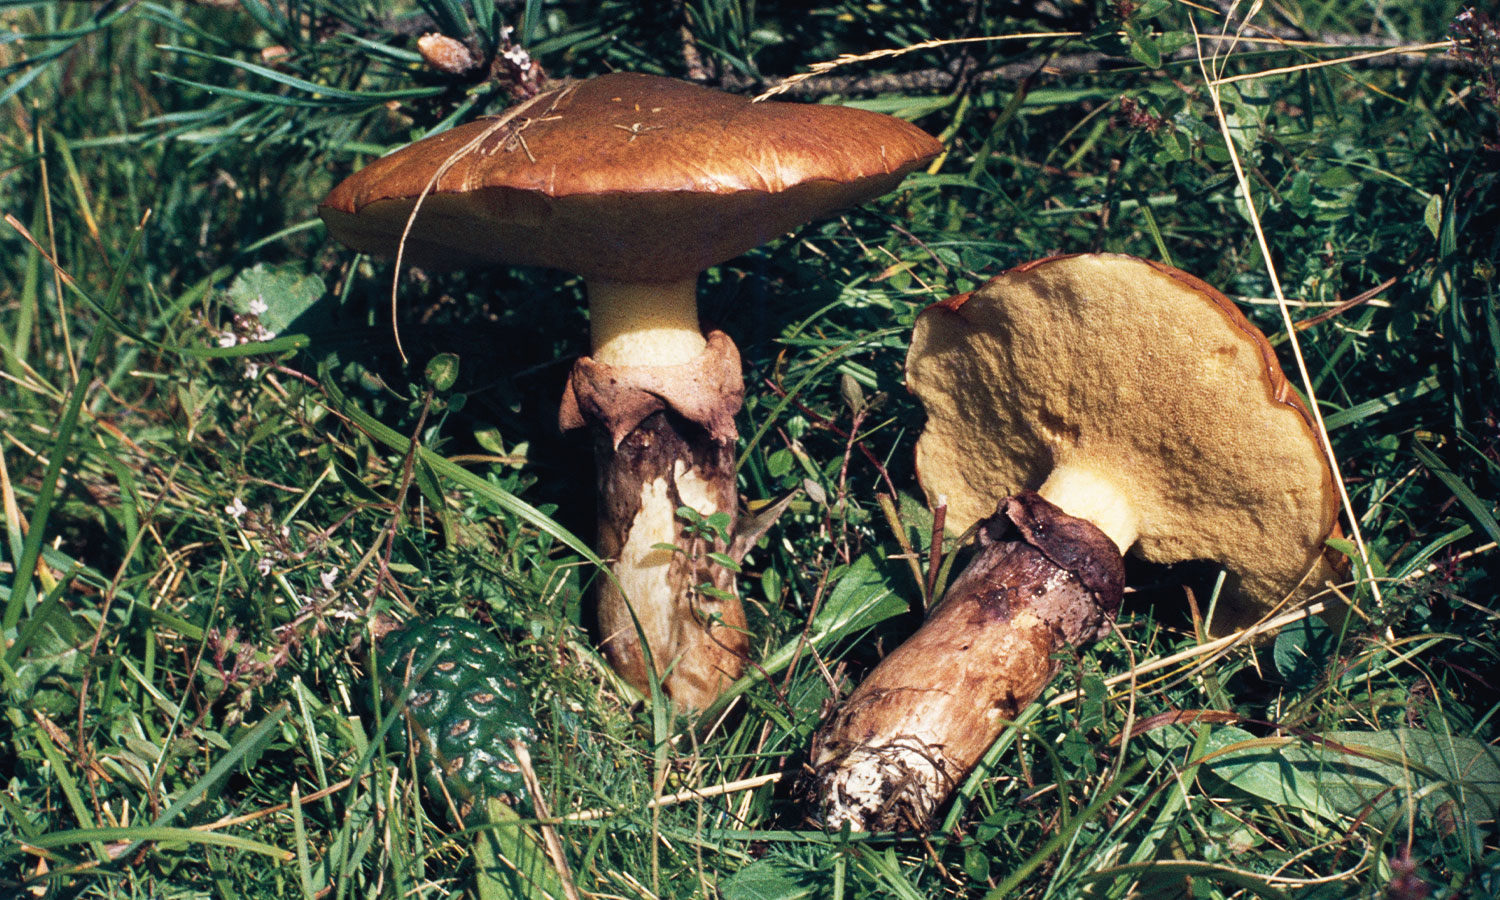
[
  {"x": 1383, "y": 771},
  {"x": 286, "y": 293},
  {"x": 860, "y": 599},
  {"x": 1301, "y": 650},
  {"x": 509, "y": 860},
  {"x": 1145, "y": 51},
  {"x": 1257, "y": 766},
  {"x": 1172, "y": 41},
  {"x": 769, "y": 879},
  {"x": 442, "y": 371},
  {"x": 1432, "y": 216},
  {"x": 1375, "y": 775}
]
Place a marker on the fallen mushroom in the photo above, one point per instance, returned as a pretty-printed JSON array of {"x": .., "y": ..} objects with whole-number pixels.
[
  {"x": 1107, "y": 404},
  {"x": 638, "y": 183}
]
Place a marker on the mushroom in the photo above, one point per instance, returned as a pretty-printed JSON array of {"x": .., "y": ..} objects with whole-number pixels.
[
  {"x": 638, "y": 183},
  {"x": 1106, "y": 404}
]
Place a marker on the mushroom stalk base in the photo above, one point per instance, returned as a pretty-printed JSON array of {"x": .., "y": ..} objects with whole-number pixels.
[
  {"x": 664, "y": 439},
  {"x": 908, "y": 736}
]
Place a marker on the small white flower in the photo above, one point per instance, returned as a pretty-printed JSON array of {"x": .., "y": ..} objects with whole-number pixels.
[
  {"x": 252, "y": 370},
  {"x": 328, "y": 578},
  {"x": 236, "y": 508},
  {"x": 262, "y": 333},
  {"x": 258, "y": 306},
  {"x": 518, "y": 57},
  {"x": 227, "y": 339},
  {"x": 263, "y": 566},
  {"x": 505, "y": 32}
]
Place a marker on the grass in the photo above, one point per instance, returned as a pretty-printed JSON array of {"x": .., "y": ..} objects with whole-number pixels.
[{"x": 202, "y": 534}]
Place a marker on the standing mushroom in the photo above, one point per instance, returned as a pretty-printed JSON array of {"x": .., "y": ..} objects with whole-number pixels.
[
  {"x": 1107, "y": 404},
  {"x": 638, "y": 183}
]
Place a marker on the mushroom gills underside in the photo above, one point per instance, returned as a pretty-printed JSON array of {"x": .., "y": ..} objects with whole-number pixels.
[{"x": 1135, "y": 396}]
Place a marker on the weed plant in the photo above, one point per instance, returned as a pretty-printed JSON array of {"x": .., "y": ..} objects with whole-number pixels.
[{"x": 220, "y": 483}]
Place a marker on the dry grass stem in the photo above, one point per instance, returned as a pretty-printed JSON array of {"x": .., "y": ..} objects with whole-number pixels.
[
  {"x": 1216, "y": 646},
  {"x": 549, "y": 833},
  {"x": 823, "y": 68},
  {"x": 718, "y": 790},
  {"x": 473, "y": 145},
  {"x": 1413, "y": 49}
]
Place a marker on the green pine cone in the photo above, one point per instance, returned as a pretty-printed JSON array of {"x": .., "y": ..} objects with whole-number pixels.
[{"x": 463, "y": 712}]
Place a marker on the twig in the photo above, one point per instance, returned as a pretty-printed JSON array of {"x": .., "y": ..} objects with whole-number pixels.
[
  {"x": 1349, "y": 304},
  {"x": 304, "y": 800},
  {"x": 817, "y": 83},
  {"x": 549, "y": 834},
  {"x": 692, "y": 58},
  {"x": 718, "y": 790}
]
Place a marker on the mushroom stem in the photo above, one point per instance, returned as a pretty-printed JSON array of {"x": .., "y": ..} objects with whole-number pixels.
[
  {"x": 913, "y": 730},
  {"x": 664, "y": 439},
  {"x": 644, "y": 324},
  {"x": 680, "y": 600},
  {"x": 1089, "y": 495}
]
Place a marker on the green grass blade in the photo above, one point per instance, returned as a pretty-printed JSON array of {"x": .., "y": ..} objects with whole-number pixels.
[
  {"x": 507, "y": 501},
  {"x": 139, "y": 834},
  {"x": 1055, "y": 843},
  {"x": 62, "y": 770},
  {"x": 250, "y": 743},
  {"x": 61, "y": 443},
  {"x": 1479, "y": 509},
  {"x": 321, "y": 93}
]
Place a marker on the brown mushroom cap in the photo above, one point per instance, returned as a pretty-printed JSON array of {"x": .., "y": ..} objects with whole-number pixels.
[
  {"x": 1140, "y": 379},
  {"x": 625, "y": 177}
]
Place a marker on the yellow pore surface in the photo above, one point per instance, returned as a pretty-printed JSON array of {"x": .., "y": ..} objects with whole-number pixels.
[{"x": 1138, "y": 377}]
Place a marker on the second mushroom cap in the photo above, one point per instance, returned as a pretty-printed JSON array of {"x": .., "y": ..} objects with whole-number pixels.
[{"x": 1138, "y": 397}]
